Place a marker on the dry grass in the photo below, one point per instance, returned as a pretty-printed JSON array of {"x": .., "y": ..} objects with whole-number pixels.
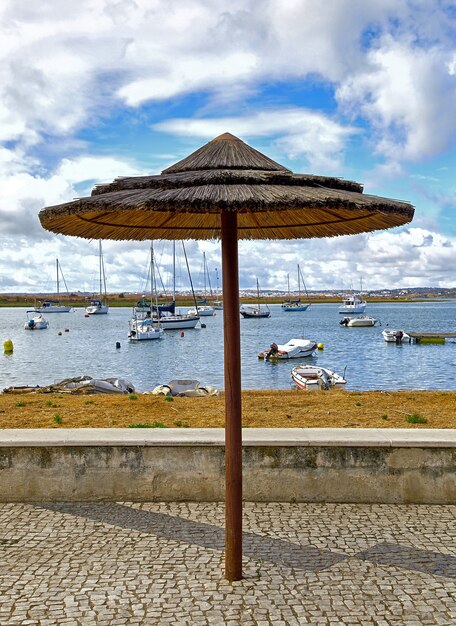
[{"x": 273, "y": 409}]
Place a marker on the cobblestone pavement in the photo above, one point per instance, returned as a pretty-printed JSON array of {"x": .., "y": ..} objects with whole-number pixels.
[{"x": 155, "y": 563}]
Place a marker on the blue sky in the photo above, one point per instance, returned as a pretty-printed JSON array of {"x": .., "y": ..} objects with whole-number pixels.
[{"x": 95, "y": 89}]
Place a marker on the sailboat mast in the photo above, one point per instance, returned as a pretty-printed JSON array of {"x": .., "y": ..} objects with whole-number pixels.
[
  {"x": 151, "y": 276},
  {"x": 299, "y": 282},
  {"x": 258, "y": 294},
  {"x": 57, "y": 273},
  {"x": 174, "y": 271},
  {"x": 288, "y": 286},
  {"x": 204, "y": 271},
  {"x": 100, "y": 268}
]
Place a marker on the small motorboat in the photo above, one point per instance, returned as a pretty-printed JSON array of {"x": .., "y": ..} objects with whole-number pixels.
[
  {"x": 361, "y": 320},
  {"x": 184, "y": 388},
  {"x": 395, "y": 336},
  {"x": 310, "y": 377},
  {"x": 97, "y": 307},
  {"x": 35, "y": 321},
  {"x": 293, "y": 349},
  {"x": 353, "y": 304}
]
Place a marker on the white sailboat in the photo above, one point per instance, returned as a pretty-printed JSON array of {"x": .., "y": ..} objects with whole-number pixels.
[
  {"x": 296, "y": 305},
  {"x": 144, "y": 328},
  {"x": 99, "y": 306},
  {"x": 202, "y": 308},
  {"x": 252, "y": 312},
  {"x": 177, "y": 321},
  {"x": 54, "y": 306}
]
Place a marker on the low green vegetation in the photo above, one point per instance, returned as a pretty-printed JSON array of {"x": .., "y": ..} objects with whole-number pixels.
[
  {"x": 416, "y": 418},
  {"x": 58, "y": 419},
  {"x": 384, "y": 417},
  {"x": 181, "y": 424},
  {"x": 21, "y": 403},
  {"x": 132, "y": 396}
]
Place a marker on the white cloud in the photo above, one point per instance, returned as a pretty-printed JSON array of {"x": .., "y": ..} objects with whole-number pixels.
[{"x": 301, "y": 133}]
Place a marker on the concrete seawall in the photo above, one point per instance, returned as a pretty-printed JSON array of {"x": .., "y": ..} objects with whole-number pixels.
[{"x": 303, "y": 465}]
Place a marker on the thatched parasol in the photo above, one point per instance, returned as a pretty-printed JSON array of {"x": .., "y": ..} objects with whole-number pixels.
[{"x": 227, "y": 190}]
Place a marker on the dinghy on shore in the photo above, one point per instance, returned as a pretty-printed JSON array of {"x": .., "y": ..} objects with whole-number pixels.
[{"x": 311, "y": 377}]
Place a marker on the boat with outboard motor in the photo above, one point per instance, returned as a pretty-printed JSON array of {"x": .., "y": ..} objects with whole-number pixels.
[
  {"x": 355, "y": 322},
  {"x": 293, "y": 349},
  {"x": 35, "y": 321},
  {"x": 391, "y": 335},
  {"x": 310, "y": 377}
]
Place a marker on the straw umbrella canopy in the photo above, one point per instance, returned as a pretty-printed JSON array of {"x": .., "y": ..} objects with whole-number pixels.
[{"x": 227, "y": 190}]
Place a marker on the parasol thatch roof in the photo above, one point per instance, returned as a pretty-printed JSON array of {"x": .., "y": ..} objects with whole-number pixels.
[{"x": 186, "y": 201}]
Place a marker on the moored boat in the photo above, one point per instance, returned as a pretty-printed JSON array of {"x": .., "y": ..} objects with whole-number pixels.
[
  {"x": 353, "y": 304},
  {"x": 99, "y": 306},
  {"x": 54, "y": 306},
  {"x": 35, "y": 321},
  {"x": 293, "y": 349},
  {"x": 362, "y": 320},
  {"x": 391, "y": 335},
  {"x": 311, "y": 377}
]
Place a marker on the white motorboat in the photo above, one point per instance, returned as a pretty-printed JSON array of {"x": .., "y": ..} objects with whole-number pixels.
[
  {"x": 391, "y": 335},
  {"x": 99, "y": 306},
  {"x": 293, "y": 349},
  {"x": 218, "y": 305},
  {"x": 311, "y": 377},
  {"x": 362, "y": 320},
  {"x": 55, "y": 306},
  {"x": 353, "y": 304},
  {"x": 203, "y": 311},
  {"x": 35, "y": 321},
  {"x": 144, "y": 330}
]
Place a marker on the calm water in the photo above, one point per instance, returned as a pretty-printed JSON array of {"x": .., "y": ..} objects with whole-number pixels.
[{"x": 42, "y": 357}]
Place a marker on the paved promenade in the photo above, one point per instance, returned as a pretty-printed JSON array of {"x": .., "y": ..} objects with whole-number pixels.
[{"x": 116, "y": 564}]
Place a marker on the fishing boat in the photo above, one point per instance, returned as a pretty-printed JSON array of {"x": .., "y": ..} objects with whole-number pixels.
[
  {"x": 144, "y": 329},
  {"x": 353, "y": 304},
  {"x": 35, "y": 321},
  {"x": 99, "y": 306},
  {"x": 362, "y": 320},
  {"x": 296, "y": 304},
  {"x": 293, "y": 349},
  {"x": 252, "y": 312},
  {"x": 391, "y": 335},
  {"x": 310, "y": 377},
  {"x": 54, "y": 306}
]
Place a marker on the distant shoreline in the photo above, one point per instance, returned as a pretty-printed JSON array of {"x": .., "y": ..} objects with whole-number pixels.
[{"x": 117, "y": 300}]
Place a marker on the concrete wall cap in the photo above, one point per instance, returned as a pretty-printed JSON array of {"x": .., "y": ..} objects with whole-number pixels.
[{"x": 348, "y": 437}]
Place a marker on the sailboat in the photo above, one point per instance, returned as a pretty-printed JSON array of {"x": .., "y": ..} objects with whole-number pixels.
[
  {"x": 143, "y": 328},
  {"x": 296, "y": 305},
  {"x": 177, "y": 321},
  {"x": 202, "y": 308},
  {"x": 99, "y": 306},
  {"x": 250, "y": 312},
  {"x": 54, "y": 306}
]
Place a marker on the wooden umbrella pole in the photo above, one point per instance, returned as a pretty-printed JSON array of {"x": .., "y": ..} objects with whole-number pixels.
[{"x": 233, "y": 408}]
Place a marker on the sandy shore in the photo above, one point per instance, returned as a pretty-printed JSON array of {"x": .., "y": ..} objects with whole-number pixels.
[{"x": 294, "y": 408}]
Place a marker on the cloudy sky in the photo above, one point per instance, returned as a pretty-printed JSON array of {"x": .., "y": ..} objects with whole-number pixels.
[{"x": 94, "y": 89}]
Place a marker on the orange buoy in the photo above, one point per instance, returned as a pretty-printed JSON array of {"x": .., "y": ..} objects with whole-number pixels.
[{"x": 182, "y": 333}]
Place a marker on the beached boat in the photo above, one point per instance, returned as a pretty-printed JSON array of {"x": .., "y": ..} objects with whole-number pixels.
[
  {"x": 35, "y": 321},
  {"x": 293, "y": 349},
  {"x": 252, "y": 312},
  {"x": 54, "y": 306},
  {"x": 391, "y": 335},
  {"x": 295, "y": 304},
  {"x": 99, "y": 306},
  {"x": 310, "y": 377},
  {"x": 362, "y": 320}
]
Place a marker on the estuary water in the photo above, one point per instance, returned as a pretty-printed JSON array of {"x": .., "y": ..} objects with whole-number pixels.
[{"x": 89, "y": 347}]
